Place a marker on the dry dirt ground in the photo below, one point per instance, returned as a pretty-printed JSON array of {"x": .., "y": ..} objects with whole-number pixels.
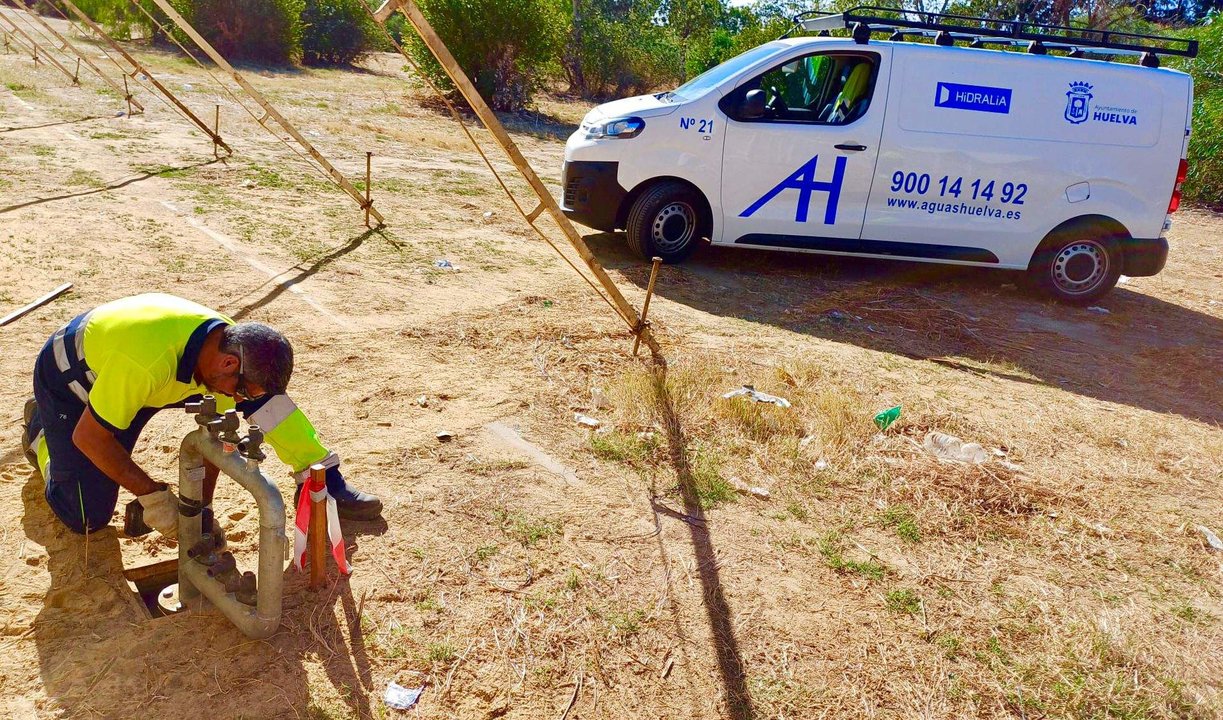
[{"x": 533, "y": 569}]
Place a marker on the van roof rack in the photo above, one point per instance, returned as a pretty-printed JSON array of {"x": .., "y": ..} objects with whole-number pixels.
[{"x": 1039, "y": 38}]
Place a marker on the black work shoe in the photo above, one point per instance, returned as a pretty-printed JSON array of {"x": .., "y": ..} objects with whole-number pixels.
[
  {"x": 350, "y": 504},
  {"x": 27, "y": 442}
]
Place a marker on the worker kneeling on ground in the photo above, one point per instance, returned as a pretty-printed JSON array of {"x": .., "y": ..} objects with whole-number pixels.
[{"x": 99, "y": 380}]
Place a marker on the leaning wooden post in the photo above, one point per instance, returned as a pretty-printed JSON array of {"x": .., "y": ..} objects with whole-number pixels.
[
  {"x": 50, "y": 58},
  {"x": 368, "y": 203},
  {"x": 316, "y": 536},
  {"x": 645, "y": 307},
  {"x": 75, "y": 51},
  {"x": 137, "y": 67},
  {"x": 485, "y": 113},
  {"x": 272, "y": 112}
]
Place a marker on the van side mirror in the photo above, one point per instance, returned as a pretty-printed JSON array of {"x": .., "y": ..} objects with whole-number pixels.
[{"x": 752, "y": 105}]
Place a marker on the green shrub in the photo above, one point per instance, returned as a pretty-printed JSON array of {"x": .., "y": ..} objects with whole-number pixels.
[
  {"x": 337, "y": 32},
  {"x": 504, "y": 46},
  {"x": 267, "y": 31},
  {"x": 614, "y": 50},
  {"x": 1205, "y": 183}
]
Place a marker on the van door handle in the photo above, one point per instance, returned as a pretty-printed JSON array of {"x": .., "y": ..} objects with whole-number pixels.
[{"x": 850, "y": 146}]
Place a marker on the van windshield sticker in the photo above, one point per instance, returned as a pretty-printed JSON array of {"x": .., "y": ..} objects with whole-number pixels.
[
  {"x": 979, "y": 98},
  {"x": 803, "y": 180}
]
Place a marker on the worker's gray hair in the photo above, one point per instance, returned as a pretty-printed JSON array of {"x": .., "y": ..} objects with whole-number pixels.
[{"x": 267, "y": 356}]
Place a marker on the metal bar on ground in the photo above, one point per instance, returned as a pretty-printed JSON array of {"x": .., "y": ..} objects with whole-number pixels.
[
  {"x": 137, "y": 67},
  {"x": 45, "y": 54},
  {"x": 79, "y": 55},
  {"x": 645, "y": 307},
  {"x": 209, "y": 50},
  {"x": 21, "y": 312},
  {"x": 486, "y": 115},
  {"x": 316, "y": 535}
]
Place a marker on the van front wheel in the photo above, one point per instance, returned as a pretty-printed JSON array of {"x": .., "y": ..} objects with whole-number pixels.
[
  {"x": 1078, "y": 269},
  {"x": 666, "y": 221}
]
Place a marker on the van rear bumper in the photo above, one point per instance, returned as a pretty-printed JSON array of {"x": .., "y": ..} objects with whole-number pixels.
[
  {"x": 592, "y": 193},
  {"x": 1144, "y": 257}
]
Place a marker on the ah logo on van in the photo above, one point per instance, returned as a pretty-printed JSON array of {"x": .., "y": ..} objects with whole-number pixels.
[{"x": 803, "y": 180}]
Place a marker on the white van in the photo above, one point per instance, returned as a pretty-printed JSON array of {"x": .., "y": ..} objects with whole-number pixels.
[{"x": 1059, "y": 165}]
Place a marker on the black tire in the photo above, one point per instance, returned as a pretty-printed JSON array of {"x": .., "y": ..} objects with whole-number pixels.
[
  {"x": 668, "y": 221},
  {"x": 1078, "y": 264}
]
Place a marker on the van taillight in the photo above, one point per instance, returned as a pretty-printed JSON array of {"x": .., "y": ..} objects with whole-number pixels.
[{"x": 1182, "y": 172}]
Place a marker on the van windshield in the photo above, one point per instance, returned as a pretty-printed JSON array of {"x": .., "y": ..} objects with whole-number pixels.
[{"x": 715, "y": 76}]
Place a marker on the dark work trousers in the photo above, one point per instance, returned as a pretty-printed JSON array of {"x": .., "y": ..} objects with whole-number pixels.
[{"x": 81, "y": 495}]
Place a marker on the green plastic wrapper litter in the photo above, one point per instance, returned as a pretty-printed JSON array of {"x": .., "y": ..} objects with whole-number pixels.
[{"x": 884, "y": 420}]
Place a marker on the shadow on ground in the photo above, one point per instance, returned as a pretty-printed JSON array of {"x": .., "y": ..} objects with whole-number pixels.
[
  {"x": 1146, "y": 352},
  {"x": 100, "y": 654}
]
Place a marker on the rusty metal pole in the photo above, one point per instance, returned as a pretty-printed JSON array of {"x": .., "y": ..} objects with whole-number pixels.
[
  {"x": 127, "y": 94},
  {"x": 368, "y": 157},
  {"x": 316, "y": 536},
  {"x": 76, "y": 76},
  {"x": 216, "y": 132},
  {"x": 645, "y": 308}
]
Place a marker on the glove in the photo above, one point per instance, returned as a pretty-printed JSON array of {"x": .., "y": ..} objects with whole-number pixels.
[{"x": 161, "y": 511}]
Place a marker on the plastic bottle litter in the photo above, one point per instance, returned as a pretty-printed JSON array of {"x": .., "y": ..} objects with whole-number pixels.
[
  {"x": 750, "y": 392},
  {"x": 950, "y": 447},
  {"x": 1211, "y": 539},
  {"x": 745, "y": 489}
]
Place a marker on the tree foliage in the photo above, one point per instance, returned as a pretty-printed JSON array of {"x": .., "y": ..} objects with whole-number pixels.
[
  {"x": 615, "y": 48},
  {"x": 505, "y": 46},
  {"x": 337, "y": 32},
  {"x": 266, "y": 31}
]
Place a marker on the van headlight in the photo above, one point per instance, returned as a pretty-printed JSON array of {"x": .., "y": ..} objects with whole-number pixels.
[{"x": 623, "y": 128}]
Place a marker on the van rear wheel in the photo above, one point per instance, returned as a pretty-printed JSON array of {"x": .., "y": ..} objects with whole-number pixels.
[
  {"x": 667, "y": 221},
  {"x": 1078, "y": 267}
]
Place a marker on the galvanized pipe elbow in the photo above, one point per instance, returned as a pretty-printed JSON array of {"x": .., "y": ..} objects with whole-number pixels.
[{"x": 261, "y": 620}]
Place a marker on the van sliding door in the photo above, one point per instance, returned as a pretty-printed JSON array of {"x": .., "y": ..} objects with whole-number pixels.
[{"x": 799, "y": 176}]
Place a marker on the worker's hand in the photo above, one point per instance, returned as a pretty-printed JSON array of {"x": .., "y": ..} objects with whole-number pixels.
[{"x": 161, "y": 511}]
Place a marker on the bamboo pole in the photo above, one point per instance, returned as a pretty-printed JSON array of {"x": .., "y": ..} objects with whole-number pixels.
[
  {"x": 137, "y": 67},
  {"x": 208, "y": 49},
  {"x": 645, "y": 307},
  {"x": 34, "y": 42},
  {"x": 486, "y": 115},
  {"x": 21, "y": 43},
  {"x": 368, "y": 203},
  {"x": 316, "y": 536},
  {"x": 79, "y": 55}
]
